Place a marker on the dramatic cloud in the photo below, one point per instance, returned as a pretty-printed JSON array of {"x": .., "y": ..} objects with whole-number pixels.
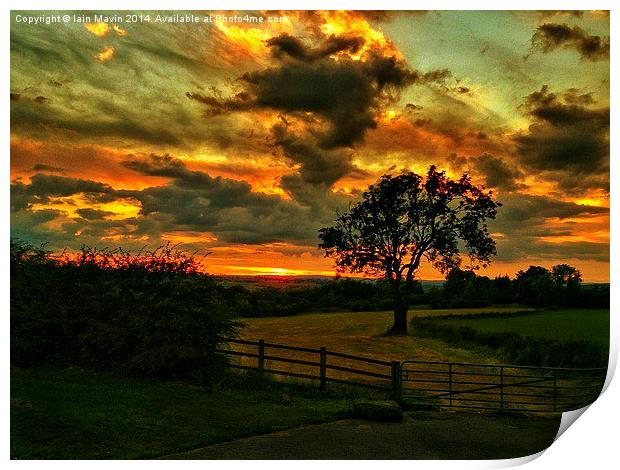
[
  {"x": 344, "y": 93},
  {"x": 551, "y": 36},
  {"x": 568, "y": 138},
  {"x": 286, "y": 45},
  {"x": 192, "y": 201},
  {"x": 528, "y": 225},
  {"x": 228, "y": 208},
  {"x": 497, "y": 172}
]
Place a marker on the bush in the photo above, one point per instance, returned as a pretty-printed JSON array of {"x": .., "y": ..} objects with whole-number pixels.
[
  {"x": 515, "y": 348},
  {"x": 152, "y": 314}
]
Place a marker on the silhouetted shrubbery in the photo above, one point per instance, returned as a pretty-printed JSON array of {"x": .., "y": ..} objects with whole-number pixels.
[{"x": 152, "y": 314}]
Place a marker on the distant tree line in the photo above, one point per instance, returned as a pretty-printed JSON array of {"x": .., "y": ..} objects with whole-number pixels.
[{"x": 560, "y": 286}]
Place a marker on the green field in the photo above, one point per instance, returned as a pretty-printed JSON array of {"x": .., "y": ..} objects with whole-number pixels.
[
  {"x": 363, "y": 334},
  {"x": 82, "y": 414},
  {"x": 560, "y": 325}
]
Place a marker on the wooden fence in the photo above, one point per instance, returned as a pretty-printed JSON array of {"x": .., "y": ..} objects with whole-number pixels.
[
  {"x": 445, "y": 384},
  {"x": 316, "y": 364}
]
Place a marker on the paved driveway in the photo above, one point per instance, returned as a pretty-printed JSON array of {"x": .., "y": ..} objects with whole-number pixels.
[{"x": 421, "y": 435}]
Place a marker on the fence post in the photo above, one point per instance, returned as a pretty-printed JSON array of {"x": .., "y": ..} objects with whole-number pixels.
[
  {"x": 323, "y": 368},
  {"x": 555, "y": 389},
  {"x": 396, "y": 381},
  {"x": 450, "y": 381},
  {"x": 501, "y": 387},
  {"x": 261, "y": 357}
]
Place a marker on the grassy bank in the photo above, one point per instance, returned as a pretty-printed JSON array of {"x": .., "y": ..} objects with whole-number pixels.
[
  {"x": 555, "y": 338},
  {"x": 76, "y": 413}
]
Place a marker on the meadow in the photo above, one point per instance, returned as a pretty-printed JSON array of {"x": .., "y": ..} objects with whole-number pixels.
[
  {"x": 79, "y": 413},
  {"x": 561, "y": 325}
]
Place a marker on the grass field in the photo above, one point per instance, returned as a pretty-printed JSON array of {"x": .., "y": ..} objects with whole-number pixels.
[
  {"x": 81, "y": 414},
  {"x": 363, "y": 333},
  {"x": 561, "y": 325}
]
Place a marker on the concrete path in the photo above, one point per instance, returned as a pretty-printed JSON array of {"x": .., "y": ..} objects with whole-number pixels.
[{"x": 421, "y": 435}]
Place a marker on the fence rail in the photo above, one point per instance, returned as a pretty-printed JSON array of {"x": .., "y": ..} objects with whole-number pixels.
[
  {"x": 500, "y": 387},
  {"x": 445, "y": 384}
]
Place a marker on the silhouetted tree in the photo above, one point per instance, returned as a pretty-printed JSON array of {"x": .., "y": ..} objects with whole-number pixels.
[
  {"x": 565, "y": 275},
  {"x": 535, "y": 286},
  {"x": 402, "y": 219}
]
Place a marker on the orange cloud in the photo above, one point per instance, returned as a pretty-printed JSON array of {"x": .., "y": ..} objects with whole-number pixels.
[
  {"x": 352, "y": 23},
  {"x": 93, "y": 162},
  {"x": 98, "y": 29},
  {"x": 106, "y": 54}
]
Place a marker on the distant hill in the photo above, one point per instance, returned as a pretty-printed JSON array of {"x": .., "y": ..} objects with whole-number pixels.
[{"x": 291, "y": 282}]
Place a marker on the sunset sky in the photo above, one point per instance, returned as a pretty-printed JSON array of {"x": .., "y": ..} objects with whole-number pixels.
[{"x": 244, "y": 139}]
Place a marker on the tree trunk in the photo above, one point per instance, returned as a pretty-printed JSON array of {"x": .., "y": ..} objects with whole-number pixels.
[{"x": 400, "y": 309}]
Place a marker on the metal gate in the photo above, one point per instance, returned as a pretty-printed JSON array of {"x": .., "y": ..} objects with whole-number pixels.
[{"x": 500, "y": 387}]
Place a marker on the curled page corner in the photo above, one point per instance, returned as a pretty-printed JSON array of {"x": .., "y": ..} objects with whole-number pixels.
[
  {"x": 518, "y": 461},
  {"x": 568, "y": 418}
]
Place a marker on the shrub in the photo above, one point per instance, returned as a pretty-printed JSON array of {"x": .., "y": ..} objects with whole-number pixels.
[{"x": 151, "y": 314}]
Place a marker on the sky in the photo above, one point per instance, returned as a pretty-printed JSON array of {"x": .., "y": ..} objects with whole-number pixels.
[{"x": 241, "y": 139}]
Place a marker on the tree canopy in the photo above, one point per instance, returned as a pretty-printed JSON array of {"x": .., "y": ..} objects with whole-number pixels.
[{"x": 402, "y": 220}]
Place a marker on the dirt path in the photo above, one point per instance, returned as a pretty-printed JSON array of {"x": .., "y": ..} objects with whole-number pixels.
[{"x": 421, "y": 435}]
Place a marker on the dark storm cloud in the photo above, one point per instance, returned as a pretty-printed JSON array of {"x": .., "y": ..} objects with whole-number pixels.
[
  {"x": 286, "y": 45},
  {"x": 49, "y": 168},
  {"x": 318, "y": 166},
  {"x": 565, "y": 109},
  {"x": 520, "y": 207},
  {"x": 217, "y": 105},
  {"x": 307, "y": 84},
  {"x": 222, "y": 192},
  {"x": 228, "y": 208},
  {"x": 497, "y": 172},
  {"x": 551, "y": 36},
  {"x": 192, "y": 200},
  {"x": 42, "y": 187},
  {"x": 326, "y": 105},
  {"x": 568, "y": 138},
  {"x": 524, "y": 222},
  {"x": 93, "y": 214},
  {"x": 345, "y": 93}
]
